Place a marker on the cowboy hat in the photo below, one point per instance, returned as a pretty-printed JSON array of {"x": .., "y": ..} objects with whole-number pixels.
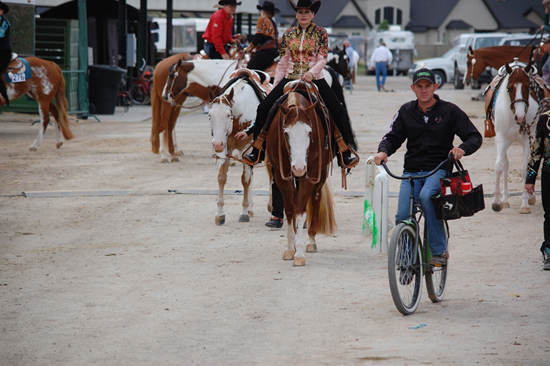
[
  {"x": 270, "y": 7},
  {"x": 307, "y": 4},
  {"x": 4, "y": 7},
  {"x": 229, "y": 2}
]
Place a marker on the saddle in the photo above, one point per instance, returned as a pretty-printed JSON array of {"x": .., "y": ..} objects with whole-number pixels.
[
  {"x": 18, "y": 70},
  {"x": 259, "y": 78}
]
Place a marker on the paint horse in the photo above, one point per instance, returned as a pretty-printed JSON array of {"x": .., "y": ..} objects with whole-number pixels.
[
  {"x": 175, "y": 80},
  {"x": 516, "y": 111},
  {"x": 231, "y": 112},
  {"x": 298, "y": 146},
  {"x": 44, "y": 82},
  {"x": 338, "y": 60}
]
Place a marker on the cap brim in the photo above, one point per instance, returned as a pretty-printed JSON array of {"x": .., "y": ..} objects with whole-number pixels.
[{"x": 424, "y": 78}]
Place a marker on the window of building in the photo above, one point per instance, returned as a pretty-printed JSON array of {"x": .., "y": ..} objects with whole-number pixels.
[{"x": 394, "y": 16}]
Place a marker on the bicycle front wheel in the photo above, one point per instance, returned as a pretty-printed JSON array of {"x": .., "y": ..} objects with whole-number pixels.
[{"x": 405, "y": 269}]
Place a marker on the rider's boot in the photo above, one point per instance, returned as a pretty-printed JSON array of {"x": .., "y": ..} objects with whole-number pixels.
[
  {"x": 253, "y": 157},
  {"x": 348, "y": 161}
]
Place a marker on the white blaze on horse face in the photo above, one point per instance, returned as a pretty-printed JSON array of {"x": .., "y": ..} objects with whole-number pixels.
[
  {"x": 221, "y": 123},
  {"x": 520, "y": 107},
  {"x": 42, "y": 74},
  {"x": 298, "y": 139}
]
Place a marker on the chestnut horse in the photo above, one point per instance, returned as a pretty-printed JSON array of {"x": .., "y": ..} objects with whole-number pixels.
[
  {"x": 231, "y": 112},
  {"x": 176, "y": 79},
  {"x": 45, "y": 84},
  {"x": 298, "y": 146},
  {"x": 495, "y": 57},
  {"x": 515, "y": 114}
]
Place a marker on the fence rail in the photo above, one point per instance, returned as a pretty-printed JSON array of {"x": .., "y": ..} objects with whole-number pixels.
[{"x": 76, "y": 90}]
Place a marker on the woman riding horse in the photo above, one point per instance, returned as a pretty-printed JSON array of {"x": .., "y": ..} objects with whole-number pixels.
[
  {"x": 304, "y": 52},
  {"x": 265, "y": 39}
]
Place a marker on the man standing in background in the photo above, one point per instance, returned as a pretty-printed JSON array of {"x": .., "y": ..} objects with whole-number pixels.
[{"x": 380, "y": 60}]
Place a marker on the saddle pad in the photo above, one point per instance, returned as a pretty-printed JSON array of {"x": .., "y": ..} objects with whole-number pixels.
[{"x": 27, "y": 73}]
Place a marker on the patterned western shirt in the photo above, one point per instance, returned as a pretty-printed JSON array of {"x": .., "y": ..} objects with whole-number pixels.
[{"x": 540, "y": 150}]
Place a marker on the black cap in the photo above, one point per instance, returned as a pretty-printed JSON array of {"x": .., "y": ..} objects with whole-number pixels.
[{"x": 424, "y": 74}]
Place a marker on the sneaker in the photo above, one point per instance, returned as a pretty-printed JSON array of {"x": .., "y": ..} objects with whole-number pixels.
[
  {"x": 438, "y": 260},
  {"x": 546, "y": 266},
  {"x": 274, "y": 222}
]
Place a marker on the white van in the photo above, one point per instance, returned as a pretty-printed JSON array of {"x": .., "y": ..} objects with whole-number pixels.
[
  {"x": 186, "y": 34},
  {"x": 400, "y": 43}
]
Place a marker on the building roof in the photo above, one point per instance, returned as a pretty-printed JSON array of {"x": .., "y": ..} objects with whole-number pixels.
[
  {"x": 426, "y": 14},
  {"x": 349, "y": 21},
  {"x": 458, "y": 24},
  {"x": 511, "y": 14}
]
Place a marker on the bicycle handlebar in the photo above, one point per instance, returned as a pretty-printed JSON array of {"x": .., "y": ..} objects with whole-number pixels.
[{"x": 450, "y": 158}]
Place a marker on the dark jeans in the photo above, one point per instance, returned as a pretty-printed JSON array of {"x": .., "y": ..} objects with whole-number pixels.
[
  {"x": 263, "y": 59},
  {"x": 276, "y": 199},
  {"x": 211, "y": 51},
  {"x": 5, "y": 58}
]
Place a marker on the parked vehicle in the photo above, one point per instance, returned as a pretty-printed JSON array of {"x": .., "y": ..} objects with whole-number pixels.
[
  {"x": 443, "y": 67},
  {"x": 520, "y": 39},
  {"x": 400, "y": 43},
  {"x": 186, "y": 35}
]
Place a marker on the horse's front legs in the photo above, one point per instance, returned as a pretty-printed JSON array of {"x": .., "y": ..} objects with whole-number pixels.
[
  {"x": 164, "y": 155},
  {"x": 177, "y": 150},
  {"x": 501, "y": 169},
  {"x": 44, "y": 120},
  {"x": 57, "y": 126},
  {"x": 300, "y": 257},
  {"x": 222, "y": 179},
  {"x": 246, "y": 180}
]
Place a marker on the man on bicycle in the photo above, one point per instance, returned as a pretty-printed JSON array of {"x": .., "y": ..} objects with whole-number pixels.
[{"x": 429, "y": 125}]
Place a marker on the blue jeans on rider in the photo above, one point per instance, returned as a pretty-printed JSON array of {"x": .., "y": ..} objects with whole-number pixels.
[
  {"x": 381, "y": 68},
  {"x": 423, "y": 189}
]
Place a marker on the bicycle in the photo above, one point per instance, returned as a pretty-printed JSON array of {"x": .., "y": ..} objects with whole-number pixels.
[
  {"x": 408, "y": 256},
  {"x": 141, "y": 88},
  {"x": 123, "y": 98}
]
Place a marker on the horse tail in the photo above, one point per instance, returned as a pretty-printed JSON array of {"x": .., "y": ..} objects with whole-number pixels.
[
  {"x": 326, "y": 222},
  {"x": 156, "y": 105},
  {"x": 62, "y": 106}
]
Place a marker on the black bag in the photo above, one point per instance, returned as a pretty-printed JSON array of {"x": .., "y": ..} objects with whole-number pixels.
[{"x": 458, "y": 204}]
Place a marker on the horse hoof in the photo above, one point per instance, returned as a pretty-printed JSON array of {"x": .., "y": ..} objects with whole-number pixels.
[
  {"x": 505, "y": 205},
  {"x": 532, "y": 200},
  {"x": 32, "y": 148},
  {"x": 250, "y": 213},
  {"x": 59, "y": 144},
  {"x": 525, "y": 210},
  {"x": 178, "y": 153},
  {"x": 497, "y": 207},
  {"x": 299, "y": 262},
  {"x": 174, "y": 159},
  {"x": 311, "y": 248},
  {"x": 244, "y": 218},
  {"x": 164, "y": 160},
  {"x": 289, "y": 255},
  {"x": 220, "y": 220}
]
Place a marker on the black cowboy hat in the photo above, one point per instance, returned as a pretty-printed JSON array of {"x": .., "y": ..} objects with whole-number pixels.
[
  {"x": 270, "y": 7},
  {"x": 229, "y": 2},
  {"x": 4, "y": 7},
  {"x": 307, "y": 4}
]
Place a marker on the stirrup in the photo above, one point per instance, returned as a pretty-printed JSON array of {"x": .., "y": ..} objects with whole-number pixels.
[{"x": 259, "y": 145}]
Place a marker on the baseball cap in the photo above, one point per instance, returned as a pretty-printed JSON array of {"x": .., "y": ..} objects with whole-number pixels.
[{"x": 424, "y": 74}]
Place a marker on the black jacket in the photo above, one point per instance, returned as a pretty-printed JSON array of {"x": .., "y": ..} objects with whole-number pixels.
[{"x": 428, "y": 144}]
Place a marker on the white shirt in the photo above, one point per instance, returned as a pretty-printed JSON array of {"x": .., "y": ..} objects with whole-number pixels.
[{"x": 381, "y": 54}]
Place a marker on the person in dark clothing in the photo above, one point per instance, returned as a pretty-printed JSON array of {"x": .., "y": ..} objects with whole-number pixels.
[
  {"x": 540, "y": 152},
  {"x": 304, "y": 50},
  {"x": 265, "y": 39},
  {"x": 5, "y": 49},
  {"x": 429, "y": 125}
]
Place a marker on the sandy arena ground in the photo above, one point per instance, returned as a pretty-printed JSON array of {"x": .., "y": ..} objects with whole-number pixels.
[{"x": 101, "y": 264}]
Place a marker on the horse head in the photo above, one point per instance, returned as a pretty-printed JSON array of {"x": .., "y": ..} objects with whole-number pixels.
[
  {"x": 298, "y": 115},
  {"x": 221, "y": 120},
  {"x": 519, "y": 82},
  {"x": 339, "y": 61},
  {"x": 474, "y": 66},
  {"x": 177, "y": 81}
]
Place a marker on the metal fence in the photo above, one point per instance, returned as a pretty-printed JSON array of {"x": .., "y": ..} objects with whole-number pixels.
[{"x": 76, "y": 90}]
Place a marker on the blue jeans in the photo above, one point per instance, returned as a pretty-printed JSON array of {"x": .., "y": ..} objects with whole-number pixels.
[
  {"x": 381, "y": 68},
  {"x": 423, "y": 189}
]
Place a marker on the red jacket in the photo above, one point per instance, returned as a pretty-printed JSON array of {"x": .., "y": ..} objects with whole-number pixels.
[{"x": 219, "y": 30}]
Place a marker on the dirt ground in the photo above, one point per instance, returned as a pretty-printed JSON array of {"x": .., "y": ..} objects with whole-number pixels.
[{"x": 101, "y": 263}]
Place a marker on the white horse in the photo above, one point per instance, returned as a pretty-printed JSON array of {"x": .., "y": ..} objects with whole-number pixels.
[
  {"x": 515, "y": 112},
  {"x": 231, "y": 112}
]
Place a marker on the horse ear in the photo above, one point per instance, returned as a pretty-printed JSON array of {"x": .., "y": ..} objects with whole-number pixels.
[
  {"x": 471, "y": 51},
  {"x": 283, "y": 109},
  {"x": 231, "y": 94},
  {"x": 529, "y": 68},
  {"x": 508, "y": 68},
  {"x": 211, "y": 94},
  {"x": 312, "y": 107}
]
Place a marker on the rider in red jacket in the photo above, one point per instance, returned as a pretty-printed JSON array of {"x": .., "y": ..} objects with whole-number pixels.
[{"x": 219, "y": 31}]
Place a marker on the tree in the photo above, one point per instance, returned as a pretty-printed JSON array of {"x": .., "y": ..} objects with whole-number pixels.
[{"x": 384, "y": 25}]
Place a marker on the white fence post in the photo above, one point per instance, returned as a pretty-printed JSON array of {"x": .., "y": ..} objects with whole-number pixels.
[{"x": 375, "y": 214}]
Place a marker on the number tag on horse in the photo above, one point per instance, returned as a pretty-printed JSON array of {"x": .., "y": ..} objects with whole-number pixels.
[{"x": 18, "y": 78}]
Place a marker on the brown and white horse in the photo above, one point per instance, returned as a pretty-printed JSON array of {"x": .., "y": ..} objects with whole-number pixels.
[
  {"x": 515, "y": 113},
  {"x": 231, "y": 112},
  {"x": 496, "y": 57},
  {"x": 45, "y": 85},
  {"x": 298, "y": 146},
  {"x": 175, "y": 80}
]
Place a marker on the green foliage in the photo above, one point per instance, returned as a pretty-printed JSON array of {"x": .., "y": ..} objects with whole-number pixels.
[{"x": 384, "y": 26}]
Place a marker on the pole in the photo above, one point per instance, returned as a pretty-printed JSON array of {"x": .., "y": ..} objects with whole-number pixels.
[
  {"x": 143, "y": 32},
  {"x": 122, "y": 33},
  {"x": 82, "y": 56},
  {"x": 169, "y": 31}
]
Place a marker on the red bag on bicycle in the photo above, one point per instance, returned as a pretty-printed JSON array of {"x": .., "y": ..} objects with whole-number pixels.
[{"x": 455, "y": 178}]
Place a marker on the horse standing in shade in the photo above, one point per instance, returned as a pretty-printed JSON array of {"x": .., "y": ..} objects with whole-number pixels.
[
  {"x": 233, "y": 111},
  {"x": 298, "y": 146},
  {"x": 516, "y": 109},
  {"x": 175, "y": 80},
  {"x": 46, "y": 84}
]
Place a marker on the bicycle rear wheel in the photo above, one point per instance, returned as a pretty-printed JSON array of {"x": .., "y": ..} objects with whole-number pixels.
[
  {"x": 139, "y": 95},
  {"x": 436, "y": 278},
  {"x": 405, "y": 269}
]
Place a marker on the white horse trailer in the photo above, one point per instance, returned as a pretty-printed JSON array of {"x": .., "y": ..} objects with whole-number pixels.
[{"x": 400, "y": 43}]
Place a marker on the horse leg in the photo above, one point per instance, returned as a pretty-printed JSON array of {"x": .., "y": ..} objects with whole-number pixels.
[
  {"x": 222, "y": 179},
  {"x": 300, "y": 257},
  {"x": 314, "y": 219},
  {"x": 172, "y": 136},
  {"x": 287, "y": 187},
  {"x": 246, "y": 180},
  {"x": 501, "y": 166},
  {"x": 164, "y": 156},
  {"x": 44, "y": 120},
  {"x": 57, "y": 125},
  {"x": 177, "y": 150},
  {"x": 526, "y": 199}
]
